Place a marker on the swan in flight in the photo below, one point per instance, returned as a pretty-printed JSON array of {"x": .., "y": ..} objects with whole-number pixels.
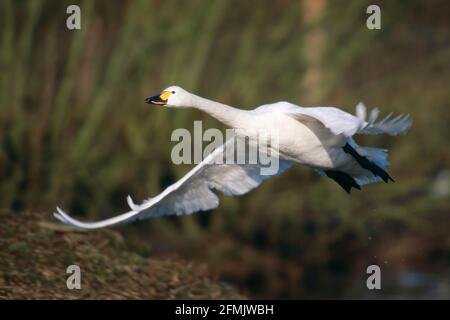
[{"x": 318, "y": 137}]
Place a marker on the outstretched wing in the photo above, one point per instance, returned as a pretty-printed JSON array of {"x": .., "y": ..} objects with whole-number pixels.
[
  {"x": 193, "y": 192},
  {"x": 341, "y": 122}
]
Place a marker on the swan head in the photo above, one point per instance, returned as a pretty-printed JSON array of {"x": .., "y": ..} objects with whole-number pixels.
[{"x": 172, "y": 96}]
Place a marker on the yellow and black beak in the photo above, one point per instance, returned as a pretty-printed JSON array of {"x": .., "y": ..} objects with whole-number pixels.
[{"x": 159, "y": 99}]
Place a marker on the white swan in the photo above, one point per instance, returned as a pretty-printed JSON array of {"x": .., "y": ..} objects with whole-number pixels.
[{"x": 319, "y": 137}]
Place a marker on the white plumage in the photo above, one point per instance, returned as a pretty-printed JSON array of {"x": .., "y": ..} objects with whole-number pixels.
[{"x": 319, "y": 137}]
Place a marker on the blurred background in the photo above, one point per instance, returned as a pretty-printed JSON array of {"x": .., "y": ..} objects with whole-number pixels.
[{"x": 75, "y": 132}]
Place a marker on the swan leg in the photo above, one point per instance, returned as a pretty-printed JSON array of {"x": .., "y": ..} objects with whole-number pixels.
[
  {"x": 367, "y": 164},
  {"x": 344, "y": 180}
]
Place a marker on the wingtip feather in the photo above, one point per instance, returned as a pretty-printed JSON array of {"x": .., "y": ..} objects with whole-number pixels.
[
  {"x": 131, "y": 204},
  {"x": 361, "y": 111}
]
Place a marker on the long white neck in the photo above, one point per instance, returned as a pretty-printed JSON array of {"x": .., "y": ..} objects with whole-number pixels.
[{"x": 229, "y": 116}]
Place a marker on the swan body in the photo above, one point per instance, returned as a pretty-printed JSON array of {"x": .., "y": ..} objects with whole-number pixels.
[{"x": 318, "y": 137}]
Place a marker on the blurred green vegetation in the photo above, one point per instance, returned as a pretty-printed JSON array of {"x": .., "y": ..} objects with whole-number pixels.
[{"x": 74, "y": 130}]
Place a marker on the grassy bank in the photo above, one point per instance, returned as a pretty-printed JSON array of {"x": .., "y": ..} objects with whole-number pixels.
[{"x": 35, "y": 255}]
